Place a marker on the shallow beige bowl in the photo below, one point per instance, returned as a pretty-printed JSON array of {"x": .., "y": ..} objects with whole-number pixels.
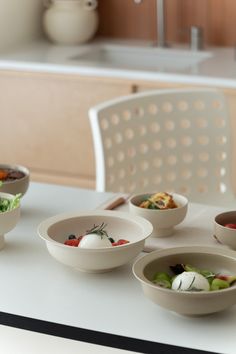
[
  {"x": 55, "y": 230},
  {"x": 226, "y": 235},
  {"x": 8, "y": 219},
  {"x": 19, "y": 185},
  {"x": 183, "y": 302},
  {"x": 163, "y": 221}
]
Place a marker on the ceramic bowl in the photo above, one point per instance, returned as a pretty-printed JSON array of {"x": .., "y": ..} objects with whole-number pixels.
[
  {"x": 18, "y": 185},
  {"x": 8, "y": 219},
  {"x": 163, "y": 221},
  {"x": 55, "y": 230},
  {"x": 225, "y": 235},
  {"x": 185, "y": 302}
]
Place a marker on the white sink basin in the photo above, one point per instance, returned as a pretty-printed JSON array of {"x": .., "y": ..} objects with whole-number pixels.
[{"x": 141, "y": 58}]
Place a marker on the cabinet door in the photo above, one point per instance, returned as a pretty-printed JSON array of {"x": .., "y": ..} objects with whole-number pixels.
[
  {"x": 145, "y": 86},
  {"x": 45, "y": 125}
]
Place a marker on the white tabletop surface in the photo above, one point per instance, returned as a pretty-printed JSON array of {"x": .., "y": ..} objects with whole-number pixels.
[
  {"x": 35, "y": 285},
  {"x": 18, "y": 341},
  {"x": 219, "y": 70}
]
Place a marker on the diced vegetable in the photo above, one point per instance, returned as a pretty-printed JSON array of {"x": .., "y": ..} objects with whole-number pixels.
[
  {"x": 215, "y": 281},
  {"x": 9, "y": 204}
]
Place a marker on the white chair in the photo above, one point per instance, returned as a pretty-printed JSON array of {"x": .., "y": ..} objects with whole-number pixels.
[{"x": 164, "y": 140}]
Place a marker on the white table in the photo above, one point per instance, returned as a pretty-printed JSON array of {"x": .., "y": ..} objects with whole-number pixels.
[{"x": 42, "y": 295}]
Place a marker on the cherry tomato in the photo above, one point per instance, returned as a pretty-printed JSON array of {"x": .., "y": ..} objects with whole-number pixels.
[
  {"x": 120, "y": 242},
  {"x": 231, "y": 226},
  {"x": 72, "y": 242}
]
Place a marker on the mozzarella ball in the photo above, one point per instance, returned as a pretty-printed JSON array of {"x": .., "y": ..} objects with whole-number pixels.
[
  {"x": 94, "y": 241},
  {"x": 190, "y": 281}
]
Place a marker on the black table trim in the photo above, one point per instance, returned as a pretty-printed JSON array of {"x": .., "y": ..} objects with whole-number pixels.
[{"x": 91, "y": 336}]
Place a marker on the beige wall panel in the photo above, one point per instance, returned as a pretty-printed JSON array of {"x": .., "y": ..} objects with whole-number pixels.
[{"x": 44, "y": 122}]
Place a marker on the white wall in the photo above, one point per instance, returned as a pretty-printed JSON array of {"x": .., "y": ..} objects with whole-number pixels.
[{"x": 20, "y": 21}]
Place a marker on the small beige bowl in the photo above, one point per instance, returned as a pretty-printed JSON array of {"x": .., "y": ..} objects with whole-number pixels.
[
  {"x": 163, "y": 221},
  {"x": 8, "y": 219},
  {"x": 16, "y": 186},
  {"x": 223, "y": 234},
  {"x": 55, "y": 230},
  {"x": 216, "y": 259}
]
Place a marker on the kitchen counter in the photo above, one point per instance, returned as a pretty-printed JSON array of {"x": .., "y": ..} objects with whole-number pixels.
[{"x": 218, "y": 70}]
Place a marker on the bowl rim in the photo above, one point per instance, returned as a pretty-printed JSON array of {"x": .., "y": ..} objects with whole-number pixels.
[
  {"x": 221, "y": 214},
  {"x": 141, "y": 263},
  {"x": 44, "y": 225},
  {"x": 160, "y": 210},
  {"x": 20, "y": 168}
]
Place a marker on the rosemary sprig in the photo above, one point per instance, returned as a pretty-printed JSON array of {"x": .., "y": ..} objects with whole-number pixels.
[
  {"x": 98, "y": 230},
  {"x": 180, "y": 284},
  {"x": 190, "y": 286}
]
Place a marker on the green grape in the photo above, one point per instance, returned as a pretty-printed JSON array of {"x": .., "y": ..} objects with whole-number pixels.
[
  {"x": 162, "y": 279},
  {"x": 218, "y": 284}
]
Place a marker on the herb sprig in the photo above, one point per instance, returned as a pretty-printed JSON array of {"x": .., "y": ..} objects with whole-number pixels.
[
  {"x": 98, "y": 230},
  {"x": 159, "y": 204}
]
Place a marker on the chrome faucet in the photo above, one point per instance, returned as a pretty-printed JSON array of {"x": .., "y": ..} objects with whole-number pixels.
[{"x": 160, "y": 22}]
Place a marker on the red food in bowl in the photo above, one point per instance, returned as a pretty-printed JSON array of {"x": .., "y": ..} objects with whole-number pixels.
[
  {"x": 231, "y": 226},
  {"x": 9, "y": 174}
]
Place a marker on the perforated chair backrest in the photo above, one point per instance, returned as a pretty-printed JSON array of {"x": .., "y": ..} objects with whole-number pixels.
[{"x": 164, "y": 140}]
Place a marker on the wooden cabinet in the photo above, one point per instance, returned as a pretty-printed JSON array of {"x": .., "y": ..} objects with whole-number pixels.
[{"x": 45, "y": 125}]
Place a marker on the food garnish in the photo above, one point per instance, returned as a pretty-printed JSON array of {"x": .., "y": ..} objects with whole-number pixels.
[
  {"x": 190, "y": 281},
  {"x": 3, "y": 174},
  {"x": 96, "y": 237},
  {"x": 160, "y": 200},
  {"x": 98, "y": 230},
  {"x": 9, "y": 204},
  {"x": 189, "y": 278},
  {"x": 9, "y": 174}
]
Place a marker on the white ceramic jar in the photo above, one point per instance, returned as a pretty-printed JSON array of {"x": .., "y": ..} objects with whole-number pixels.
[{"x": 70, "y": 22}]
